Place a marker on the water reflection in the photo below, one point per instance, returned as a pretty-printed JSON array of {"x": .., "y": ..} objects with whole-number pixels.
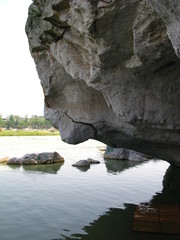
[
  {"x": 171, "y": 181},
  {"x": 116, "y": 166},
  {"x": 44, "y": 168},
  {"x": 38, "y": 205},
  {"x": 117, "y": 223},
  {"x": 12, "y": 166},
  {"x": 171, "y": 187},
  {"x": 82, "y": 169}
]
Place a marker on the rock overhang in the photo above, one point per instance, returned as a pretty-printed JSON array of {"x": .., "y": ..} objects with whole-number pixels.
[{"x": 110, "y": 71}]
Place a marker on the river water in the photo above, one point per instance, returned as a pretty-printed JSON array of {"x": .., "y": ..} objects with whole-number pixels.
[{"x": 61, "y": 202}]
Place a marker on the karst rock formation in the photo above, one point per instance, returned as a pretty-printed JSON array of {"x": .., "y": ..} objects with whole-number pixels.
[{"x": 110, "y": 71}]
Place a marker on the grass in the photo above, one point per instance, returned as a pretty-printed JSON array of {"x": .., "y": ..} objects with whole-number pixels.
[{"x": 28, "y": 132}]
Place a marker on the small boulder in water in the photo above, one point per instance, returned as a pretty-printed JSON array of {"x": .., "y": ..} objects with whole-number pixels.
[
  {"x": 37, "y": 158},
  {"x": 85, "y": 163},
  {"x": 81, "y": 163}
]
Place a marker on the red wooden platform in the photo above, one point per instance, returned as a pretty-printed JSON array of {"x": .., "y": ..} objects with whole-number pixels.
[{"x": 157, "y": 218}]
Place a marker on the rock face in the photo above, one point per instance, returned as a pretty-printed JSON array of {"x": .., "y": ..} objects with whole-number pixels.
[
  {"x": 110, "y": 70},
  {"x": 124, "y": 154}
]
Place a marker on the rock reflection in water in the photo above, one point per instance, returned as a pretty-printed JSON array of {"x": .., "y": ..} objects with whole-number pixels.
[
  {"x": 13, "y": 167},
  {"x": 117, "y": 223},
  {"x": 171, "y": 187},
  {"x": 83, "y": 169},
  {"x": 116, "y": 166},
  {"x": 171, "y": 181},
  {"x": 44, "y": 168}
]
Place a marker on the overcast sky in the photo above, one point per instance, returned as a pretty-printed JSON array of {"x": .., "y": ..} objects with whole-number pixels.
[{"x": 20, "y": 89}]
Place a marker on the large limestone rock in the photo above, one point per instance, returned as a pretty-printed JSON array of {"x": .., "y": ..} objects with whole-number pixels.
[
  {"x": 125, "y": 154},
  {"x": 110, "y": 71}
]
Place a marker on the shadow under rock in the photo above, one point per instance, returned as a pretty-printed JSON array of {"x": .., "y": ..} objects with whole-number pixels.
[
  {"x": 117, "y": 223},
  {"x": 171, "y": 187}
]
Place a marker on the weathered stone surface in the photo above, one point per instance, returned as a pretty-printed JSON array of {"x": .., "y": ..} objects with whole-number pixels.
[
  {"x": 15, "y": 161},
  {"x": 48, "y": 157},
  {"x": 29, "y": 159},
  {"x": 93, "y": 161},
  {"x": 110, "y": 71},
  {"x": 124, "y": 154},
  {"x": 37, "y": 158},
  {"x": 85, "y": 163},
  {"x": 81, "y": 163}
]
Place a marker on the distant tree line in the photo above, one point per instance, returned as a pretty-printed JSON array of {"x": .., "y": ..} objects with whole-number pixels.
[{"x": 17, "y": 122}]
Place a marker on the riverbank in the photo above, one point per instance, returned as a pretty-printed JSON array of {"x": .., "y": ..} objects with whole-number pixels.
[
  {"x": 29, "y": 132},
  {"x": 4, "y": 160}
]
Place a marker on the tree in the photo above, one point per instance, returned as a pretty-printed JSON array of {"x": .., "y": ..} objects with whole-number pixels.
[
  {"x": 10, "y": 123},
  {"x": 17, "y": 122},
  {"x": 2, "y": 122}
]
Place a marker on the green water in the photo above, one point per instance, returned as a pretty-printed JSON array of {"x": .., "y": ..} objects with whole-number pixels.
[{"x": 63, "y": 202}]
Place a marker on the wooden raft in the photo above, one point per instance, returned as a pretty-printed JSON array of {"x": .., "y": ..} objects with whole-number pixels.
[{"x": 157, "y": 219}]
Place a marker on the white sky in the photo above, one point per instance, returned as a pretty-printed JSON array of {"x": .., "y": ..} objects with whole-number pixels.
[{"x": 20, "y": 89}]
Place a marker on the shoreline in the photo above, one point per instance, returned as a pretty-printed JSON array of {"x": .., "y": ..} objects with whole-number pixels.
[
  {"x": 31, "y": 132},
  {"x": 4, "y": 160}
]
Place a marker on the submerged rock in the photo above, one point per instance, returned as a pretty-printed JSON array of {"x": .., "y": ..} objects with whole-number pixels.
[
  {"x": 110, "y": 71},
  {"x": 37, "y": 158},
  {"x": 124, "y": 154}
]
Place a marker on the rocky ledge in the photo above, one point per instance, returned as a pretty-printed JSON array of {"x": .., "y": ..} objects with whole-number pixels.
[
  {"x": 125, "y": 154},
  {"x": 110, "y": 70},
  {"x": 37, "y": 158}
]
